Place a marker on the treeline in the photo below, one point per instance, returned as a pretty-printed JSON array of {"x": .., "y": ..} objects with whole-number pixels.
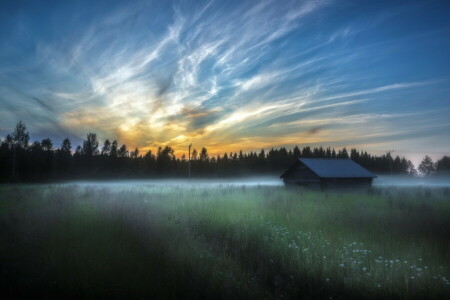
[{"x": 21, "y": 160}]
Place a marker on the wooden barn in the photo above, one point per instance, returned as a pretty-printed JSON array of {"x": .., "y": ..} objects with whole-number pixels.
[{"x": 327, "y": 171}]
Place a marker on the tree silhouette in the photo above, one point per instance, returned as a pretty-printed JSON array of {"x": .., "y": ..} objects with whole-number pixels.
[
  {"x": 306, "y": 152},
  {"x": 344, "y": 153},
  {"x": 123, "y": 151},
  {"x": 296, "y": 152},
  {"x": 411, "y": 170},
  {"x": 443, "y": 165},
  {"x": 194, "y": 154},
  {"x": 135, "y": 153},
  {"x": 427, "y": 167},
  {"x": 20, "y": 136},
  {"x": 164, "y": 159},
  {"x": 204, "y": 155},
  {"x": 106, "y": 149},
  {"x": 19, "y": 142},
  {"x": 47, "y": 144},
  {"x": 90, "y": 145},
  {"x": 78, "y": 150},
  {"x": 66, "y": 146}
]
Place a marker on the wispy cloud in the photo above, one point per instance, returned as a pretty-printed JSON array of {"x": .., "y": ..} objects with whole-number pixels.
[{"x": 247, "y": 75}]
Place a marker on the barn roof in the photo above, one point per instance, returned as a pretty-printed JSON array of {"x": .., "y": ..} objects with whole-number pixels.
[{"x": 335, "y": 168}]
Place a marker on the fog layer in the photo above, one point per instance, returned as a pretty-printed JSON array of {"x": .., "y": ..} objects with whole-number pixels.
[{"x": 381, "y": 181}]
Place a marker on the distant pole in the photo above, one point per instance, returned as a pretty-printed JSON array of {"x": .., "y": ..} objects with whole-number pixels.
[{"x": 189, "y": 160}]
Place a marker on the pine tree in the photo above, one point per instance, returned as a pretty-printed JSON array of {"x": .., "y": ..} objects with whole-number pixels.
[{"x": 427, "y": 167}]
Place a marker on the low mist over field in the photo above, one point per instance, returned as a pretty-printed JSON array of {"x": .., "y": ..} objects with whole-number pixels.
[
  {"x": 381, "y": 181},
  {"x": 407, "y": 181}
]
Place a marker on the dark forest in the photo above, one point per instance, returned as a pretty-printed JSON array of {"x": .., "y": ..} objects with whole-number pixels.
[{"x": 43, "y": 161}]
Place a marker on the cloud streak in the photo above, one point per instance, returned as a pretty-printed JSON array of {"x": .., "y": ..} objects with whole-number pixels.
[{"x": 227, "y": 76}]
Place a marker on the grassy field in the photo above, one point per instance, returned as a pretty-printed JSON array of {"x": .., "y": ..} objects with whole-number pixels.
[{"x": 224, "y": 242}]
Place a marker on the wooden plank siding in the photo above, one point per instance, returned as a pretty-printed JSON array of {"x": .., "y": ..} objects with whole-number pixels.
[{"x": 299, "y": 173}]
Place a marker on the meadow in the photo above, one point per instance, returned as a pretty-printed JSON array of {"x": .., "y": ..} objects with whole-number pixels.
[{"x": 257, "y": 242}]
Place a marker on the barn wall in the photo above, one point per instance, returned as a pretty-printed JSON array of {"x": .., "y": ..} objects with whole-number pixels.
[
  {"x": 346, "y": 181},
  {"x": 301, "y": 174}
]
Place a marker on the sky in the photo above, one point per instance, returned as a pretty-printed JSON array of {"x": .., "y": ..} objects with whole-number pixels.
[{"x": 230, "y": 75}]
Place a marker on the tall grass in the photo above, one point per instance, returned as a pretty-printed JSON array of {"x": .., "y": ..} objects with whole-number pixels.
[{"x": 225, "y": 242}]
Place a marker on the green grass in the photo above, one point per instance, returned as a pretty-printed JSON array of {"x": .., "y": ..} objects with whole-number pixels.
[{"x": 227, "y": 242}]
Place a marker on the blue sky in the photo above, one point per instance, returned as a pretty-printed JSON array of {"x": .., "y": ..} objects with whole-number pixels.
[{"x": 230, "y": 75}]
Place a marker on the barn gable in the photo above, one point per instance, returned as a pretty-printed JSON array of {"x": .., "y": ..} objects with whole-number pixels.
[{"x": 299, "y": 171}]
